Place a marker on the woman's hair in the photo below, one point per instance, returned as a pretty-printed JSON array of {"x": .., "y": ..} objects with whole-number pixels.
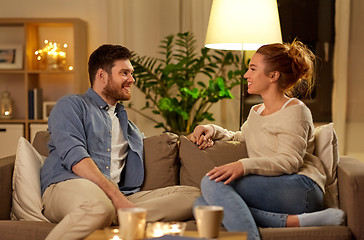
[
  {"x": 294, "y": 62},
  {"x": 104, "y": 58}
]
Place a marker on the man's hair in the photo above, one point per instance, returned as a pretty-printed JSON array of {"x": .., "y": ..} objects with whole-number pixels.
[{"x": 104, "y": 58}]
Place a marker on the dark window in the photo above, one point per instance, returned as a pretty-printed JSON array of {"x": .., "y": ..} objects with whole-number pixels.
[{"x": 312, "y": 22}]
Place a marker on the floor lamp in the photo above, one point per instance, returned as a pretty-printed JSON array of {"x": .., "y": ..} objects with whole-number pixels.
[{"x": 243, "y": 25}]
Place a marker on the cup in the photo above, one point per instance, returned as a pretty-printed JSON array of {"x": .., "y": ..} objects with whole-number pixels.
[
  {"x": 209, "y": 220},
  {"x": 132, "y": 223}
]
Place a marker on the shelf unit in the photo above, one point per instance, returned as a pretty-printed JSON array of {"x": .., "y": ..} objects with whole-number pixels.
[{"x": 30, "y": 35}]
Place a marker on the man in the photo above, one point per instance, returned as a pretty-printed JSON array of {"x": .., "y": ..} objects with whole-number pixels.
[{"x": 95, "y": 160}]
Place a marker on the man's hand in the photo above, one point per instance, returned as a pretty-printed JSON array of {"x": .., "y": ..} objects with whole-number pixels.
[
  {"x": 228, "y": 172},
  {"x": 86, "y": 168},
  {"x": 202, "y": 135},
  {"x": 122, "y": 202}
]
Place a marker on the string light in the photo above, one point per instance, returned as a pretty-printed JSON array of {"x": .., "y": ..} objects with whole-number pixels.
[{"x": 53, "y": 55}]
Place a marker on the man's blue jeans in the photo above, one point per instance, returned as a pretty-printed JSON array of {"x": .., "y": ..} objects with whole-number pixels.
[{"x": 262, "y": 201}]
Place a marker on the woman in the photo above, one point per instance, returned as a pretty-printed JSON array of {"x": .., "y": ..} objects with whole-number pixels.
[{"x": 281, "y": 179}]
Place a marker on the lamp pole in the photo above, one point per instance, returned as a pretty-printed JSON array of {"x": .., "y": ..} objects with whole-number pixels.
[
  {"x": 251, "y": 22},
  {"x": 242, "y": 89}
]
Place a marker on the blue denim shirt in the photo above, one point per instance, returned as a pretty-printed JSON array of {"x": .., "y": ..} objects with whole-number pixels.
[{"x": 80, "y": 127}]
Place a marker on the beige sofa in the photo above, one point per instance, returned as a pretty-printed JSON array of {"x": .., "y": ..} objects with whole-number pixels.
[{"x": 173, "y": 160}]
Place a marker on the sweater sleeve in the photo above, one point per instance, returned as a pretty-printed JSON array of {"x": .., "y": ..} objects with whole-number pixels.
[{"x": 227, "y": 135}]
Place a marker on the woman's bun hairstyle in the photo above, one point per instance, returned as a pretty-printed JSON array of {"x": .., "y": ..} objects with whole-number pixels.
[{"x": 295, "y": 63}]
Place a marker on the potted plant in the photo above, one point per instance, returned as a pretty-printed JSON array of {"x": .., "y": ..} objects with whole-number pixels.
[{"x": 175, "y": 87}]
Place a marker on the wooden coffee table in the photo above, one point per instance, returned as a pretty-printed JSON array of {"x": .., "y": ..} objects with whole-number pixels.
[{"x": 101, "y": 235}]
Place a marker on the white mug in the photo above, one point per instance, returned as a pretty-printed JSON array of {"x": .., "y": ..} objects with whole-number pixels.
[
  {"x": 132, "y": 223},
  {"x": 209, "y": 220}
]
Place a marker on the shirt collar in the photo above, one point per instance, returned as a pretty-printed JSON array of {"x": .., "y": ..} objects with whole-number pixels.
[
  {"x": 119, "y": 107},
  {"x": 100, "y": 102}
]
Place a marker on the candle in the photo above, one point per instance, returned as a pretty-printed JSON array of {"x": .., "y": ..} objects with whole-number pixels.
[
  {"x": 158, "y": 229},
  {"x": 175, "y": 229},
  {"x": 112, "y": 233}
]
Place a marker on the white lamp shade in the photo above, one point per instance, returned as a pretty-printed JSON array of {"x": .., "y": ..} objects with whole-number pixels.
[{"x": 243, "y": 24}]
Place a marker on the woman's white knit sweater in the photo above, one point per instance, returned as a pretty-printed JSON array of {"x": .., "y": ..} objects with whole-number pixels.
[{"x": 279, "y": 143}]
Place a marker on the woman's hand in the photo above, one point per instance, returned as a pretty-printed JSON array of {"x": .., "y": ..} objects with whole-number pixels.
[
  {"x": 202, "y": 136},
  {"x": 228, "y": 172}
]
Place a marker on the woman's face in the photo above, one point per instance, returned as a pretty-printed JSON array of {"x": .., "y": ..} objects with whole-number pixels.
[{"x": 258, "y": 81}]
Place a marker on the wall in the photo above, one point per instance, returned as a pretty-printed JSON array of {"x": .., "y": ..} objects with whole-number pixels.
[
  {"x": 348, "y": 113},
  {"x": 137, "y": 24},
  {"x": 141, "y": 24},
  {"x": 355, "y": 88}
]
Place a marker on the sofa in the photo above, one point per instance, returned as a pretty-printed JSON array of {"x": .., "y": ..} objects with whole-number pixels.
[{"x": 174, "y": 160}]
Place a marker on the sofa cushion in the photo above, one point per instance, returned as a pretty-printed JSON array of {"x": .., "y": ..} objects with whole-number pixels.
[
  {"x": 160, "y": 161},
  {"x": 40, "y": 142},
  {"x": 327, "y": 150},
  {"x": 195, "y": 163},
  {"x": 25, "y": 230},
  {"x": 27, "y": 204},
  {"x": 6, "y": 178}
]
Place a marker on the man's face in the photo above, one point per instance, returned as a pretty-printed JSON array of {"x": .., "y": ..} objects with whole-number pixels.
[{"x": 120, "y": 81}]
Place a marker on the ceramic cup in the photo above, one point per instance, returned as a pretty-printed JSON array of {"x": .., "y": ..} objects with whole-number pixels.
[
  {"x": 209, "y": 220},
  {"x": 132, "y": 223}
]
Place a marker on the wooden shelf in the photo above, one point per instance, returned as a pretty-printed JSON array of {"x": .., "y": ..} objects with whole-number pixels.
[
  {"x": 50, "y": 72},
  {"x": 30, "y": 33}
]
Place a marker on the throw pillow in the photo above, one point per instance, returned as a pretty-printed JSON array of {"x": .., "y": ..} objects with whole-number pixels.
[
  {"x": 160, "y": 161},
  {"x": 195, "y": 163},
  {"x": 326, "y": 148},
  {"x": 27, "y": 203},
  {"x": 40, "y": 142}
]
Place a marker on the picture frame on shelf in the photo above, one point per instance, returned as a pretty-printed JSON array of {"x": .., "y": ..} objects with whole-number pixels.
[
  {"x": 47, "y": 108},
  {"x": 11, "y": 56}
]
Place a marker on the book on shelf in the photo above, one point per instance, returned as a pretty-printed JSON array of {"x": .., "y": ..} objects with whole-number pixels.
[
  {"x": 35, "y": 104},
  {"x": 30, "y": 104}
]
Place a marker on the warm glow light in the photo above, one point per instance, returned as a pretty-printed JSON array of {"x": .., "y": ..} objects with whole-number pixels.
[
  {"x": 174, "y": 229},
  {"x": 243, "y": 24},
  {"x": 51, "y": 49},
  {"x": 52, "y": 54},
  {"x": 158, "y": 229},
  {"x": 70, "y": 68}
]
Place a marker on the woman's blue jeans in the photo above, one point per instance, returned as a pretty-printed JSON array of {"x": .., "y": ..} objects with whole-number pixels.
[{"x": 263, "y": 201}]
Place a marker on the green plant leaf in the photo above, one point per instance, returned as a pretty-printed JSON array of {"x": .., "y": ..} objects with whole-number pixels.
[{"x": 175, "y": 83}]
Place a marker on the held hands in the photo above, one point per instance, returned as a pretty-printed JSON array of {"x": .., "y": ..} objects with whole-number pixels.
[
  {"x": 202, "y": 136},
  {"x": 228, "y": 172}
]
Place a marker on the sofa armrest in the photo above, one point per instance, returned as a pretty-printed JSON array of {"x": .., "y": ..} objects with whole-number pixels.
[
  {"x": 351, "y": 193},
  {"x": 6, "y": 179}
]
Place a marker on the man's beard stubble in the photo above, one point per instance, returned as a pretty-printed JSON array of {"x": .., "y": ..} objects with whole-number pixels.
[{"x": 114, "y": 92}]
